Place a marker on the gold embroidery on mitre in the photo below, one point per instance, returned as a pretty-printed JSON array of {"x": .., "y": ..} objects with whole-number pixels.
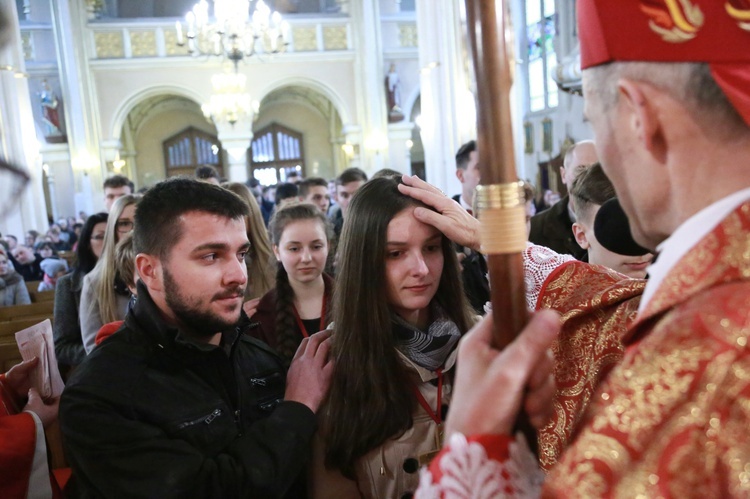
[
  {"x": 676, "y": 21},
  {"x": 740, "y": 13}
]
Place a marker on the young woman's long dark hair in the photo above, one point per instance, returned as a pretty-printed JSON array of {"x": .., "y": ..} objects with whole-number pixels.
[
  {"x": 287, "y": 336},
  {"x": 85, "y": 257},
  {"x": 371, "y": 397}
]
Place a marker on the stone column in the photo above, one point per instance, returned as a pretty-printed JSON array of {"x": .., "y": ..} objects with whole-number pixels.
[
  {"x": 19, "y": 145},
  {"x": 448, "y": 110},
  {"x": 370, "y": 81},
  {"x": 399, "y": 137},
  {"x": 79, "y": 94},
  {"x": 235, "y": 140}
]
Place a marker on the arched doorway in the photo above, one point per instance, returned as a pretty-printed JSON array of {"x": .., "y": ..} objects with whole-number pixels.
[
  {"x": 300, "y": 115},
  {"x": 150, "y": 125}
]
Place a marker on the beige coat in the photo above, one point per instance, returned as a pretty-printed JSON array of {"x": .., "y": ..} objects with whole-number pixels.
[{"x": 391, "y": 470}]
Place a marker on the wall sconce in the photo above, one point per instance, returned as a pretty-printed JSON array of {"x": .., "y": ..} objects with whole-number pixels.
[
  {"x": 85, "y": 163},
  {"x": 348, "y": 149},
  {"x": 118, "y": 164},
  {"x": 377, "y": 141}
]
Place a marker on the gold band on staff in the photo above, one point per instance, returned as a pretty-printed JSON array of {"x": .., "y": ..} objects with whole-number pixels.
[{"x": 502, "y": 215}]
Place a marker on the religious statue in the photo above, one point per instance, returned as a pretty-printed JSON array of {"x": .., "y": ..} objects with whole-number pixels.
[
  {"x": 393, "y": 92},
  {"x": 51, "y": 115}
]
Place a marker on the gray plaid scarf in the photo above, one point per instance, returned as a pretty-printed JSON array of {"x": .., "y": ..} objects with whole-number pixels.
[{"x": 430, "y": 348}]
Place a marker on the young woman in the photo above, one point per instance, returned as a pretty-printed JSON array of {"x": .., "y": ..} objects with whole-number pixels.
[
  {"x": 105, "y": 297},
  {"x": 12, "y": 286},
  {"x": 66, "y": 326},
  {"x": 399, "y": 311},
  {"x": 46, "y": 250},
  {"x": 300, "y": 304},
  {"x": 260, "y": 271}
]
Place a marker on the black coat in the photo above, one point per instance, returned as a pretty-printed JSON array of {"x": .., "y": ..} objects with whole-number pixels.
[
  {"x": 149, "y": 414},
  {"x": 67, "y": 325},
  {"x": 553, "y": 228}
]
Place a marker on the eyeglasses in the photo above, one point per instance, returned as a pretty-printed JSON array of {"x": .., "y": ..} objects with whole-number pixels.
[{"x": 124, "y": 225}]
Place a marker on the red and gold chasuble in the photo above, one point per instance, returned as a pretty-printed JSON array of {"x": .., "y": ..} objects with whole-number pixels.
[
  {"x": 597, "y": 304},
  {"x": 672, "y": 419}
]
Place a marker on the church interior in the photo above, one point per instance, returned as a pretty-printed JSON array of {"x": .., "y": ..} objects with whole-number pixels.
[{"x": 93, "y": 88}]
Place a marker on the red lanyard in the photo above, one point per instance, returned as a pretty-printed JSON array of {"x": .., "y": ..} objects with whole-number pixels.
[
  {"x": 437, "y": 414},
  {"x": 301, "y": 325}
]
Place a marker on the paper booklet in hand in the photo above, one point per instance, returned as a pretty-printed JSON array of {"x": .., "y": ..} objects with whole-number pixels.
[{"x": 36, "y": 341}]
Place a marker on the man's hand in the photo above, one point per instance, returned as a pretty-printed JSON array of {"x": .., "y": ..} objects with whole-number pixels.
[
  {"x": 451, "y": 219},
  {"x": 250, "y": 307},
  {"x": 18, "y": 379},
  {"x": 309, "y": 374},
  {"x": 47, "y": 412},
  {"x": 491, "y": 385}
]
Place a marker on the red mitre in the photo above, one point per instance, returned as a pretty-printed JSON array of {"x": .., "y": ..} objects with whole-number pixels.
[{"x": 712, "y": 31}]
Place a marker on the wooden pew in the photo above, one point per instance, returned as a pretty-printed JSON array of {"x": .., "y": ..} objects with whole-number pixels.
[
  {"x": 69, "y": 257},
  {"x": 10, "y": 328},
  {"x": 42, "y": 296},
  {"x": 32, "y": 286},
  {"x": 41, "y": 309},
  {"x": 9, "y": 354}
]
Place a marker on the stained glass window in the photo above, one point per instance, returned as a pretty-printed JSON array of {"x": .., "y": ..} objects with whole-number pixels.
[
  {"x": 541, "y": 22},
  {"x": 276, "y": 152}
]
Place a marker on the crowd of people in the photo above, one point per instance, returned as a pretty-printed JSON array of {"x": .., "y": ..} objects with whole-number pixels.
[{"x": 324, "y": 339}]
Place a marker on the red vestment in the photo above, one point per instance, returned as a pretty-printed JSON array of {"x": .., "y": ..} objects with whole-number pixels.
[
  {"x": 18, "y": 442},
  {"x": 596, "y": 304},
  {"x": 671, "y": 418}
]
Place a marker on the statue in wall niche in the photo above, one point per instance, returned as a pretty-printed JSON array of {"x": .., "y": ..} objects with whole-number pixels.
[
  {"x": 393, "y": 93},
  {"x": 51, "y": 114}
]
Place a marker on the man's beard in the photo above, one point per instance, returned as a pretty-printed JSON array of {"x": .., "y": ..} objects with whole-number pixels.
[{"x": 200, "y": 323}]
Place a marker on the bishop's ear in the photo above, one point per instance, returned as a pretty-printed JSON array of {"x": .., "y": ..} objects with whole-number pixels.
[
  {"x": 644, "y": 104},
  {"x": 580, "y": 236}
]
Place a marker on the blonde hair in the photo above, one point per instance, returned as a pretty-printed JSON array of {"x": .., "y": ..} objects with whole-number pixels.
[
  {"x": 125, "y": 260},
  {"x": 106, "y": 266},
  {"x": 261, "y": 269}
]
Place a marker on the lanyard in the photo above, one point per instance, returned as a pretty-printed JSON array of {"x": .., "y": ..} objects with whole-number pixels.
[
  {"x": 435, "y": 415},
  {"x": 301, "y": 325}
]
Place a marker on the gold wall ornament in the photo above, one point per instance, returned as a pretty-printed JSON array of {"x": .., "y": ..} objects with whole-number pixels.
[
  {"x": 334, "y": 38},
  {"x": 109, "y": 45},
  {"x": 528, "y": 136},
  {"x": 305, "y": 39},
  {"x": 171, "y": 47},
  {"x": 143, "y": 43},
  {"x": 407, "y": 35},
  {"x": 547, "y": 135}
]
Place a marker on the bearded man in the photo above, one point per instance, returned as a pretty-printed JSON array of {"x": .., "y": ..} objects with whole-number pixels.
[{"x": 179, "y": 402}]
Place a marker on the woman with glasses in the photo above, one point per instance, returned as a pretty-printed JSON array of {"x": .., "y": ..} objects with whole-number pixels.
[
  {"x": 67, "y": 326},
  {"x": 105, "y": 297}
]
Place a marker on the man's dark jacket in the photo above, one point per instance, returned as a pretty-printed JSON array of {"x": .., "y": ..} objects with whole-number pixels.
[
  {"x": 553, "y": 228},
  {"x": 149, "y": 414}
]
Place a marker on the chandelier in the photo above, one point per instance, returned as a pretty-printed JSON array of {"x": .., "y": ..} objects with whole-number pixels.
[
  {"x": 232, "y": 32},
  {"x": 229, "y": 102}
]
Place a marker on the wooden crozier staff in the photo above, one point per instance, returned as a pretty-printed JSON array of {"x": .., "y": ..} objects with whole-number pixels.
[{"x": 500, "y": 198}]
